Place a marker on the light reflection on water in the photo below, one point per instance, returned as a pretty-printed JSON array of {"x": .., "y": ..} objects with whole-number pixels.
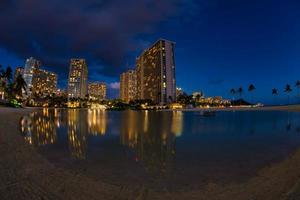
[
  {"x": 40, "y": 128},
  {"x": 185, "y": 146}
]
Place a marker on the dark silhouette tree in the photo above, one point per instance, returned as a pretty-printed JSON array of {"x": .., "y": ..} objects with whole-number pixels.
[
  {"x": 8, "y": 74},
  {"x": 251, "y": 88},
  {"x": 2, "y": 72},
  {"x": 2, "y": 89},
  {"x": 297, "y": 85},
  {"x": 20, "y": 85},
  {"x": 198, "y": 97},
  {"x": 170, "y": 99},
  {"x": 233, "y": 93},
  {"x": 240, "y": 91},
  {"x": 275, "y": 94},
  {"x": 288, "y": 90},
  {"x": 5, "y": 81},
  {"x": 185, "y": 98}
]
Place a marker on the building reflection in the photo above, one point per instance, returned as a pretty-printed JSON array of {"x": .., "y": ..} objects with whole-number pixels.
[
  {"x": 39, "y": 129},
  {"x": 177, "y": 123},
  {"x": 77, "y": 131},
  {"x": 97, "y": 121},
  {"x": 152, "y": 138},
  {"x": 129, "y": 131},
  {"x": 82, "y": 123},
  {"x": 146, "y": 121}
]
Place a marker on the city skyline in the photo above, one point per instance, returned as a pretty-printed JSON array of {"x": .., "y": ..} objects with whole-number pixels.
[
  {"x": 218, "y": 46},
  {"x": 150, "y": 99}
]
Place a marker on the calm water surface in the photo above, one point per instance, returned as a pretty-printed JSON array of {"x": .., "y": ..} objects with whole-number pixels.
[{"x": 163, "y": 150}]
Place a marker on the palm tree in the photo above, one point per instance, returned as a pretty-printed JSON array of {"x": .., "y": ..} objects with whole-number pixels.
[
  {"x": 198, "y": 97},
  {"x": 2, "y": 76},
  {"x": 297, "y": 85},
  {"x": 170, "y": 99},
  {"x": 8, "y": 74},
  {"x": 240, "y": 91},
  {"x": 5, "y": 81},
  {"x": 288, "y": 90},
  {"x": 251, "y": 88},
  {"x": 274, "y": 93},
  {"x": 20, "y": 85},
  {"x": 233, "y": 92},
  {"x": 2, "y": 89},
  {"x": 1, "y": 72}
]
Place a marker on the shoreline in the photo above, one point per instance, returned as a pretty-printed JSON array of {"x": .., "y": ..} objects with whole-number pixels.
[
  {"x": 26, "y": 174},
  {"x": 292, "y": 108}
]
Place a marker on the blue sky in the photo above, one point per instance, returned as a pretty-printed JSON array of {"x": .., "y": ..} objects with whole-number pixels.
[{"x": 219, "y": 44}]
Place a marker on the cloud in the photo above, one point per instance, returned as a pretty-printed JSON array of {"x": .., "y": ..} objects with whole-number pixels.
[
  {"x": 115, "y": 85},
  {"x": 102, "y": 31},
  {"x": 113, "y": 90}
]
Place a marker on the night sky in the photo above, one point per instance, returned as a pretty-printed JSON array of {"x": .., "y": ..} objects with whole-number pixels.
[{"x": 219, "y": 44}]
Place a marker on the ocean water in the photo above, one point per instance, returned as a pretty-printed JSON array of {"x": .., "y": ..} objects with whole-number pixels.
[{"x": 163, "y": 150}]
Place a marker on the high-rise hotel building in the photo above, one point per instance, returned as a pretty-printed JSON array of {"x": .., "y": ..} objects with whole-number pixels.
[
  {"x": 156, "y": 73},
  {"x": 128, "y": 86},
  {"x": 31, "y": 65},
  {"x": 97, "y": 90},
  {"x": 44, "y": 83},
  {"x": 78, "y": 75}
]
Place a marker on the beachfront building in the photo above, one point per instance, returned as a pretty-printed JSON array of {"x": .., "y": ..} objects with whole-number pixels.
[
  {"x": 97, "y": 90},
  {"x": 197, "y": 96},
  {"x": 78, "y": 75},
  {"x": 44, "y": 83},
  {"x": 128, "y": 86},
  {"x": 156, "y": 73},
  {"x": 31, "y": 65}
]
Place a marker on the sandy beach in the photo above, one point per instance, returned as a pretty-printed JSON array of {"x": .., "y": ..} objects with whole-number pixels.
[{"x": 26, "y": 174}]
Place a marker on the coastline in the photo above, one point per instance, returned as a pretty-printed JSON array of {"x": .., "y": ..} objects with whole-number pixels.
[
  {"x": 26, "y": 174},
  {"x": 291, "y": 108}
]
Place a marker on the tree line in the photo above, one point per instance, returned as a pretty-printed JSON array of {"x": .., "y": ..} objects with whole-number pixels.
[
  {"x": 275, "y": 92},
  {"x": 13, "y": 89}
]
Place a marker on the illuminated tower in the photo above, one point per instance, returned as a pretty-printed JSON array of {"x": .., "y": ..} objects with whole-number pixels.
[
  {"x": 44, "y": 83},
  {"x": 78, "y": 74},
  {"x": 156, "y": 73},
  {"x": 97, "y": 90},
  {"x": 128, "y": 86},
  {"x": 31, "y": 65}
]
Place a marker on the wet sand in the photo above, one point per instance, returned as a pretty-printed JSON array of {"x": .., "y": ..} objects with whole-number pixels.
[{"x": 26, "y": 174}]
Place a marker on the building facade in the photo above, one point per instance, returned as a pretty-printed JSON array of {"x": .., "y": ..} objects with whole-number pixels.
[
  {"x": 97, "y": 90},
  {"x": 44, "y": 83},
  {"x": 128, "y": 86},
  {"x": 77, "y": 82},
  {"x": 31, "y": 65},
  {"x": 156, "y": 73}
]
